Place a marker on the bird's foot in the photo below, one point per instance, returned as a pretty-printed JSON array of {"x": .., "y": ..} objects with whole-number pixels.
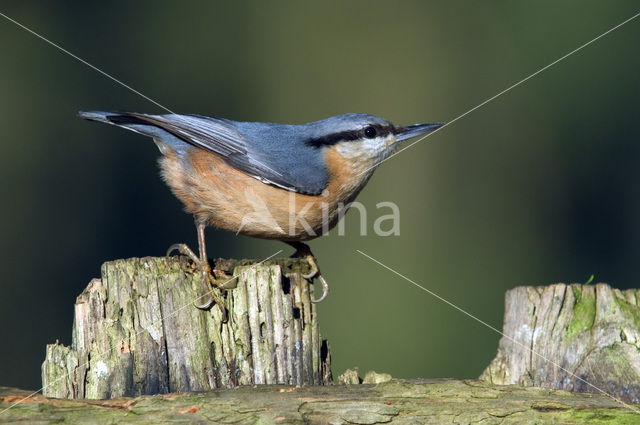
[
  {"x": 210, "y": 284},
  {"x": 325, "y": 288},
  {"x": 303, "y": 251},
  {"x": 183, "y": 249}
]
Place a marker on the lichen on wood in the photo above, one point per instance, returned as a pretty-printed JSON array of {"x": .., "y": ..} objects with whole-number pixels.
[
  {"x": 571, "y": 337},
  {"x": 440, "y": 402},
  {"x": 136, "y": 331}
]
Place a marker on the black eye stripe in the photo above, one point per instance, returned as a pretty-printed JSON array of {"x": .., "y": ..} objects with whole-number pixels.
[{"x": 332, "y": 139}]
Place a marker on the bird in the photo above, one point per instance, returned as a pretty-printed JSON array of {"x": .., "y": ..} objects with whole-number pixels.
[{"x": 287, "y": 182}]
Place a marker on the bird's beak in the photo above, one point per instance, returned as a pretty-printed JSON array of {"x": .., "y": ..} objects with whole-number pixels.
[{"x": 410, "y": 131}]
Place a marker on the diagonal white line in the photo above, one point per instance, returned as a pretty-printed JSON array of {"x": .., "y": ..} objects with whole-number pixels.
[
  {"x": 152, "y": 101},
  {"x": 109, "y": 76},
  {"x": 504, "y": 91},
  {"x": 85, "y": 62},
  {"x": 173, "y": 313},
  {"x": 499, "y": 332}
]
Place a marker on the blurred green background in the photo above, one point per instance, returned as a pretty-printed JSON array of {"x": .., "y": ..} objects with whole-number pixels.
[{"x": 539, "y": 186}]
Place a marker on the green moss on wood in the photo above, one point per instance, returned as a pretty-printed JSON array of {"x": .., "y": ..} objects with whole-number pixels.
[
  {"x": 630, "y": 310},
  {"x": 584, "y": 311},
  {"x": 398, "y": 401},
  {"x": 599, "y": 417}
]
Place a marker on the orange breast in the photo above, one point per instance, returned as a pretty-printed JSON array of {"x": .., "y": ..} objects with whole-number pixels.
[{"x": 227, "y": 198}]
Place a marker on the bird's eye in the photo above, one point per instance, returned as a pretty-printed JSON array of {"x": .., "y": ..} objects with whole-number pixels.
[{"x": 370, "y": 132}]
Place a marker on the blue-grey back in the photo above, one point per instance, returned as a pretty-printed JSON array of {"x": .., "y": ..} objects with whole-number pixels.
[{"x": 278, "y": 154}]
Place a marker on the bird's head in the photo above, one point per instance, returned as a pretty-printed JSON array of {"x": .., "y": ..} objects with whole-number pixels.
[{"x": 363, "y": 140}]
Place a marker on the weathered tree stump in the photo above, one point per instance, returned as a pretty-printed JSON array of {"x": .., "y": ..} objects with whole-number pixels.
[
  {"x": 438, "y": 402},
  {"x": 136, "y": 331},
  {"x": 591, "y": 331}
]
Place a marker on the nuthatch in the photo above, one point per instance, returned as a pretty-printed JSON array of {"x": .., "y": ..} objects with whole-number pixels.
[{"x": 253, "y": 177}]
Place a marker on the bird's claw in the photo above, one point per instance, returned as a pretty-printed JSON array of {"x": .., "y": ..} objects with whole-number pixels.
[
  {"x": 315, "y": 273},
  {"x": 314, "y": 268},
  {"x": 183, "y": 249},
  {"x": 210, "y": 290},
  {"x": 213, "y": 297},
  {"x": 206, "y": 305},
  {"x": 212, "y": 294},
  {"x": 303, "y": 251},
  {"x": 325, "y": 289}
]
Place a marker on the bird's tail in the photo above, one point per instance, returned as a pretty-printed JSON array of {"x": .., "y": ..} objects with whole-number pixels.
[
  {"x": 128, "y": 120},
  {"x": 148, "y": 125},
  {"x": 96, "y": 116}
]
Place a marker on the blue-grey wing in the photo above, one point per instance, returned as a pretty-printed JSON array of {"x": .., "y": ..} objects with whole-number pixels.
[{"x": 264, "y": 158}]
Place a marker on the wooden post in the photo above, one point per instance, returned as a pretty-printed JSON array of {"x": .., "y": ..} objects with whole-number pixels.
[
  {"x": 136, "y": 331},
  {"x": 570, "y": 336},
  {"x": 437, "y": 402}
]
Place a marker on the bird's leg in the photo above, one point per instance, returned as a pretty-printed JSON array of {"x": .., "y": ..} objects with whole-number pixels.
[
  {"x": 202, "y": 263},
  {"x": 303, "y": 251}
]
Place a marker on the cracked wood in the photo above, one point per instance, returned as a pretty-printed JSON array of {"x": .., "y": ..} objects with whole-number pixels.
[{"x": 136, "y": 332}]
